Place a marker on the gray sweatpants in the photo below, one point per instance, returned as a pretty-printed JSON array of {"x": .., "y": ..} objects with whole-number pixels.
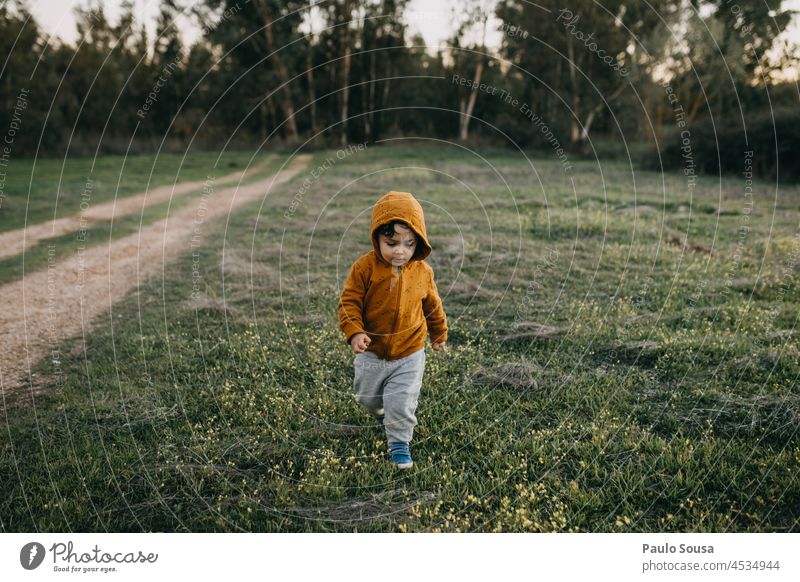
[{"x": 392, "y": 386}]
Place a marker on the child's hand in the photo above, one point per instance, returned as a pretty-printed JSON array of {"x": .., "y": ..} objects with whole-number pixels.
[
  {"x": 437, "y": 346},
  {"x": 359, "y": 342}
]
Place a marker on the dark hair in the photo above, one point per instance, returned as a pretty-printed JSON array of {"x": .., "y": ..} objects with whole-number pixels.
[{"x": 388, "y": 230}]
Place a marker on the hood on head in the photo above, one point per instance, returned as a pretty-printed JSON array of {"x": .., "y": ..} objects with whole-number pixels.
[{"x": 404, "y": 207}]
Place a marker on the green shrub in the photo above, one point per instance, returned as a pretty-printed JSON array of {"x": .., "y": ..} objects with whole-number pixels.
[{"x": 719, "y": 145}]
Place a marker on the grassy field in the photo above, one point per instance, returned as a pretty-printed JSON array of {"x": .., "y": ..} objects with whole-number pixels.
[{"x": 605, "y": 371}]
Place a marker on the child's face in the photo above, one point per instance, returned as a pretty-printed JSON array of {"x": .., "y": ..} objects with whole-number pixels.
[{"x": 398, "y": 249}]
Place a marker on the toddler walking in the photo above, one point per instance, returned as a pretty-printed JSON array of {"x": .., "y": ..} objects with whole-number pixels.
[{"x": 389, "y": 303}]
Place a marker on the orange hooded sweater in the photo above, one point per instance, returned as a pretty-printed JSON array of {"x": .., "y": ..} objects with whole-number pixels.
[{"x": 394, "y": 306}]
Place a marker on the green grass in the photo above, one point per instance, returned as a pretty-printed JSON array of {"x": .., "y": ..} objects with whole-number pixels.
[{"x": 600, "y": 376}]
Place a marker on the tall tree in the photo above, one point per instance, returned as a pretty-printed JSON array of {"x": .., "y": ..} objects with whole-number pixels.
[
  {"x": 261, "y": 35},
  {"x": 266, "y": 12},
  {"x": 346, "y": 20},
  {"x": 749, "y": 30},
  {"x": 469, "y": 16},
  {"x": 590, "y": 50},
  {"x": 309, "y": 18},
  {"x": 719, "y": 62},
  {"x": 381, "y": 53}
]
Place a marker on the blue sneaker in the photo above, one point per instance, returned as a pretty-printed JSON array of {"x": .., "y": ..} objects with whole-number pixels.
[{"x": 401, "y": 455}]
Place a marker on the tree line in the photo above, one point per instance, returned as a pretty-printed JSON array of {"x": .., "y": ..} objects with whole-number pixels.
[{"x": 618, "y": 73}]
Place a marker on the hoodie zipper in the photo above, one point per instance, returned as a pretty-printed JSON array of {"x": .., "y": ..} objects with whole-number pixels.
[{"x": 396, "y": 312}]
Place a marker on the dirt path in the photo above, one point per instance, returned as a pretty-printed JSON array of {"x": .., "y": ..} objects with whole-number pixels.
[
  {"x": 62, "y": 300},
  {"x": 14, "y": 242}
]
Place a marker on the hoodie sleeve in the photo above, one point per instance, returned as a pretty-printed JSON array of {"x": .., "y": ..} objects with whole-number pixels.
[
  {"x": 351, "y": 302},
  {"x": 434, "y": 311}
]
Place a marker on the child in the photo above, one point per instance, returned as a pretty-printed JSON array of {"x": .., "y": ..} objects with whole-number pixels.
[{"x": 388, "y": 302}]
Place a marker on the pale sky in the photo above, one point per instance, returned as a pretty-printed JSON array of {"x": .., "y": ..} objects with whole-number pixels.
[
  {"x": 432, "y": 18},
  {"x": 429, "y": 17}
]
